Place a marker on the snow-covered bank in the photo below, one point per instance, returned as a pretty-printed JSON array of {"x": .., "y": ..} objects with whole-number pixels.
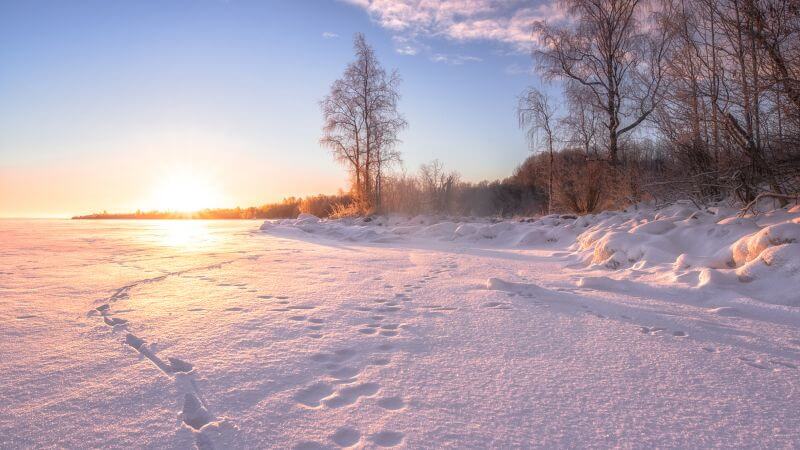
[{"x": 681, "y": 244}]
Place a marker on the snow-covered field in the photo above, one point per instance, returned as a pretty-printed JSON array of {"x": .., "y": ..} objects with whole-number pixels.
[{"x": 670, "y": 328}]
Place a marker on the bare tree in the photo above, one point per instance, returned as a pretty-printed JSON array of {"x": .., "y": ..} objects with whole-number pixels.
[
  {"x": 606, "y": 50},
  {"x": 537, "y": 115},
  {"x": 581, "y": 123},
  {"x": 774, "y": 24},
  {"x": 437, "y": 185},
  {"x": 361, "y": 121}
]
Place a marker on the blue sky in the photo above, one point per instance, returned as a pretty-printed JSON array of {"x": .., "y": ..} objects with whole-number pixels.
[{"x": 100, "y": 100}]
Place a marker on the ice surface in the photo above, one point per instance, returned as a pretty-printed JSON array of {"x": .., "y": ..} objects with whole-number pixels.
[{"x": 482, "y": 335}]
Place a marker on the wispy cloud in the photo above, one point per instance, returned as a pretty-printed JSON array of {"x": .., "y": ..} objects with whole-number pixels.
[
  {"x": 329, "y": 35},
  {"x": 509, "y": 22},
  {"x": 408, "y": 46},
  {"x": 407, "y": 50},
  {"x": 455, "y": 60}
]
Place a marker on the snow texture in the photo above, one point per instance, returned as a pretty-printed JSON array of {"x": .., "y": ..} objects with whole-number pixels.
[{"x": 674, "y": 328}]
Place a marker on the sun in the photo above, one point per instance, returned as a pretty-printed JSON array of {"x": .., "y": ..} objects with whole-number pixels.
[{"x": 184, "y": 191}]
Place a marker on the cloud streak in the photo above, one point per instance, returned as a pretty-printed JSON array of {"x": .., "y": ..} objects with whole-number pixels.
[
  {"x": 454, "y": 60},
  {"x": 509, "y": 22}
]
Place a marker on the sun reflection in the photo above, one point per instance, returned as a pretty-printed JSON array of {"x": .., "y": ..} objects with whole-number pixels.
[{"x": 189, "y": 234}]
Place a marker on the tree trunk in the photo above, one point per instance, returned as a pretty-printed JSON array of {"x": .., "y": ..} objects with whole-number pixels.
[{"x": 550, "y": 181}]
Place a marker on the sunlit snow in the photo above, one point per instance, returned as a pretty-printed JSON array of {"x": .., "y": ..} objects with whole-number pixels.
[{"x": 622, "y": 329}]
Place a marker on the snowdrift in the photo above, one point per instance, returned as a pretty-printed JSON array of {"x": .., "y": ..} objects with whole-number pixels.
[{"x": 713, "y": 247}]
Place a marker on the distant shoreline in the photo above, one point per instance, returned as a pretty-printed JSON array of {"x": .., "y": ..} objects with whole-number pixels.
[
  {"x": 234, "y": 214},
  {"x": 129, "y": 217}
]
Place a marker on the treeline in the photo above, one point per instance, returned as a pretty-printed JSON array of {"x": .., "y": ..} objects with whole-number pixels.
[
  {"x": 320, "y": 205},
  {"x": 667, "y": 99},
  {"x": 662, "y": 100},
  {"x": 433, "y": 190}
]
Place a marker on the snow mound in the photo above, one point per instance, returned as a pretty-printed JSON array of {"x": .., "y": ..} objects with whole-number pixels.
[
  {"x": 752, "y": 246},
  {"x": 708, "y": 248}
]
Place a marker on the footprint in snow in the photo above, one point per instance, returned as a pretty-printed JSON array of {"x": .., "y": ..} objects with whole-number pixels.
[
  {"x": 392, "y": 403},
  {"x": 387, "y": 438},
  {"x": 179, "y": 366},
  {"x": 651, "y": 330},
  {"x": 114, "y": 321},
  {"x": 783, "y": 363},
  {"x": 194, "y": 414},
  {"x": 312, "y": 396},
  {"x": 753, "y": 363},
  {"x": 346, "y": 437},
  {"x": 350, "y": 395}
]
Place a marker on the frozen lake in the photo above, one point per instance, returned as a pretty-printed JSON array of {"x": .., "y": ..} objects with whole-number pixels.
[{"x": 174, "y": 334}]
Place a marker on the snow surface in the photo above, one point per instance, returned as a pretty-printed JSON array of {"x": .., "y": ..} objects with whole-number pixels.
[{"x": 674, "y": 328}]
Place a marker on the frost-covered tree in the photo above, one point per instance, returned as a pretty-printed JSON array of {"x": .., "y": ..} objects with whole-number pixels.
[
  {"x": 606, "y": 49},
  {"x": 536, "y": 113},
  {"x": 362, "y": 122}
]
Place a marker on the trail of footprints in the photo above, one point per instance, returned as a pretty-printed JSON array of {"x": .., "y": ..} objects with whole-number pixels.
[
  {"x": 343, "y": 382},
  {"x": 342, "y": 385},
  {"x": 756, "y": 362},
  {"x": 194, "y": 413}
]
